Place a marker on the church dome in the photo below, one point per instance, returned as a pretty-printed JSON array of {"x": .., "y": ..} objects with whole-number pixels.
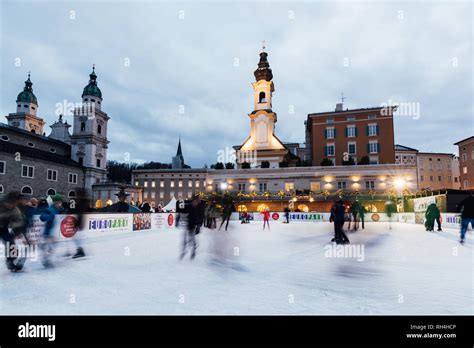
[
  {"x": 92, "y": 88},
  {"x": 27, "y": 95}
]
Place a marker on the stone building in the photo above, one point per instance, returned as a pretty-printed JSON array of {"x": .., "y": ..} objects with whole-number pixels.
[{"x": 466, "y": 163}]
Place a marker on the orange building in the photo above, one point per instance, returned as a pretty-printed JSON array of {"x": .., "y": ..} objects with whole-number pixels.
[
  {"x": 466, "y": 163},
  {"x": 343, "y": 134}
]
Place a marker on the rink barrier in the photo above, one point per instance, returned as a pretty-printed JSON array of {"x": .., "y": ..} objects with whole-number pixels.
[{"x": 98, "y": 225}]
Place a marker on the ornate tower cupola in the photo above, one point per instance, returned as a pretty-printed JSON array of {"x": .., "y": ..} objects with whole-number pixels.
[
  {"x": 91, "y": 93},
  {"x": 262, "y": 145},
  {"x": 26, "y": 111}
]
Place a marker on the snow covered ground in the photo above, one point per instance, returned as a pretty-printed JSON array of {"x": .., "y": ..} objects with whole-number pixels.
[{"x": 287, "y": 270}]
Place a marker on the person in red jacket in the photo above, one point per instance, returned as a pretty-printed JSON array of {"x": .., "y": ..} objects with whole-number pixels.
[{"x": 266, "y": 218}]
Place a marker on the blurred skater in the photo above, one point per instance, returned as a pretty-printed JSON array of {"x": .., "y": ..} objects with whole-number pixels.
[
  {"x": 355, "y": 208},
  {"x": 266, "y": 218},
  {"x": 338, "y": 216},
  {"x": 287, "y": 215},
  {"x": 195, "y": 217},
  {"x": 48, "y": 216},
  {"x": 227, "y": 211},
  {"x": 80, "y": 206},
  {"x": 466, "y": 207},
  {"x": 390, "y": 209},
  {"x": 432, "y": 214},
  {"x": 10, "y": 220}
]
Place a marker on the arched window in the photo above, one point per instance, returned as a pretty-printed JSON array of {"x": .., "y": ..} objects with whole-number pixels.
[
  {"x": 71, "y": 194},
  {"x": 261, "y": 98},
  {"x": 1, "y": 189},
  {"x": 262, "y": 207},
  {"x": 51, "y": 192},
  {"x": 242, "y": 208},
  {"x": 83, "y": 126},
  {"x": 26, "y": 190},
  {"x": 33, "y": 131},
  {"x": 99, "y": 129}
]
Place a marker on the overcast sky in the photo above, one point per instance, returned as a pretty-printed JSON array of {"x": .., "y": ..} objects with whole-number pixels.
[{"x": 185, "y": 68}]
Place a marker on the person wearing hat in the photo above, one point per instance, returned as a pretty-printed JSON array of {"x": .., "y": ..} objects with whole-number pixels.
[
  {"x": 48, "y": 216},
  {"x": 121, "y": 206}
]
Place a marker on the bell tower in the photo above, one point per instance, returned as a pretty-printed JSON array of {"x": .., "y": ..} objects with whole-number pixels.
[
  {"x": 89, "y": 137},
  {"x": 262, "y": 144}
]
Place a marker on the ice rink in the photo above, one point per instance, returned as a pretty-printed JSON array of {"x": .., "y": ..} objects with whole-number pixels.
[{"x": 403, "y": 270}]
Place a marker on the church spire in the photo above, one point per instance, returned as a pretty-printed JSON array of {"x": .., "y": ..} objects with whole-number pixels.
[
  {"x": 263, "y": 71},
  {"x": 179, "y": 152}
]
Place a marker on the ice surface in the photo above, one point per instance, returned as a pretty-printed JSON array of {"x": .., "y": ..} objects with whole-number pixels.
[{"x": 405, "y": 270}]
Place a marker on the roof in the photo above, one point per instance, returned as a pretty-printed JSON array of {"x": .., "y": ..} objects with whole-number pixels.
[
  {"x": 436, "y": 153},
  {"x": 461, "y": 141},
  {"x": 394, "y": 107},
  {"x": 32, "y": 135},
  {"x": 181, "y": 170},
  {"x": 403, "y": 148},
  {"x": 25, "y": 151}
]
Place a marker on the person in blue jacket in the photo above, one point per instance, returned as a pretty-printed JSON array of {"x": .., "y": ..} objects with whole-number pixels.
[{"x": 48, "y": 216}]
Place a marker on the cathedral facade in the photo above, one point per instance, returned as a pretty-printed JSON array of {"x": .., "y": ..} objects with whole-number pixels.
[{"x": 38, "y": 165}]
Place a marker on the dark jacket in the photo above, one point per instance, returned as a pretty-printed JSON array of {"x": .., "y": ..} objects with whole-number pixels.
[{"x": 467, "y": 206}]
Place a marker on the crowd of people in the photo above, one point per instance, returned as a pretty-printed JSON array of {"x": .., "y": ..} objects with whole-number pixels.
[{"x": 16, "y": 217}]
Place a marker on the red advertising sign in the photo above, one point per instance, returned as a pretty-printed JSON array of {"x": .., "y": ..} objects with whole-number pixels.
[
  {"x": 275, "y": 216},
  {"x": 68, "y": 226},
  {"x": 170, "y": 220}
]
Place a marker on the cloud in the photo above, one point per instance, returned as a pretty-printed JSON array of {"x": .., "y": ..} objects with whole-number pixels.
[{"x": 201, "y": 57}]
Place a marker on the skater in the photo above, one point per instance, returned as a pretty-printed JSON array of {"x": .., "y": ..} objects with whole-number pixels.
[
  {"x": 266, "y": 218},
  {"x": 361, "y": 215},
  {"x": 10, "y": 219},
  {"x": 432, "y": 214},
  {"x": 195, "y": 218},
  {"x": 227, "y": 211},
  {"x": 48, "y": 216},
  {"x": 390, "y": 209},
  {"x": 338, "y": 216},
  {"x": 287, "y": 215},
  {"x": 466, "y": 207},
  {"x": 80, "y": 209},
  {"x": 355, "y": 208}
]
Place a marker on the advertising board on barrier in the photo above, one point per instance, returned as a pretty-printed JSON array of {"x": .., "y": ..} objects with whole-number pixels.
[
  {"x": 450, "y": 220},
  {"x": 422, "y": 203},
  {"x": 406, "y": 218},
  {"x": 141, "y": 221},
  {"x": 163, "y": 220},
  {"x": 307, "y": 217},
  {"x": 35, "y": 231}
]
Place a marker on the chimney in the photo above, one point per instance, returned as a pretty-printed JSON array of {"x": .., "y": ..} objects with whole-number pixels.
[{"x": 339, "y": 107}]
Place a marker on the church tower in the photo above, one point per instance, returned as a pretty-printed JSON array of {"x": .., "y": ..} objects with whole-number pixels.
[
  {"x": 89, "y": 137},
  {"x": 177, "y": 162},
  {"x": 25, "y": 116},
  {"x": 262, "y": 144}
]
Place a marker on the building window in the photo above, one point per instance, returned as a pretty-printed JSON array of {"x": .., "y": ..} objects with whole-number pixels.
[
  {"x": 162, "y": 194},
  {"x": 464, "y": 170},
  {"x": 315, "y": 186},
  {"x": 289, "y": 186},
  {"x": 455, "y": 179},
  {"x": 330, "y": 150},
  {"x": 439, "y": 177},
  {"x": 81, "y": 161},
  {"x": 71, "y": 194},
  {"x": 1, "y": 189},
  {"x": 162, "y": 183},
  {"x": 341, "y": 185},
  {"x": 83, "y": 126},
  {"x": 2, "y": 167},
  {"x": 30, "y": 144},
  {"x": 99, "y": 129},
  {"x": 262, "y": 186},
  {"x": 5, "y": 138},
  {"x": 172, "y": 183},
  {"x": 27, "y": 171},
  {"x": 466, "y": 184},
  {"x": 372, "y": 130},
  {"x": 464, "y": 157},
  {"x": 431, "y": 178},
  {"x": 373, "y": 160},
  {"x": 180, "y": 183},
  {"x": 373, "y": 147},
  {"x": 145, "y": 183},
  {"x": 190, "y": 183},
  {"x": 449, "y": 166},
  {"x": 422, "y": 178},
  {"x": 197, "y": 183},
  {"x": 370, "y": 184},
  {"x": 330, "y": 120},
  {"x": 145, "y": 195},
  {"x": 26, "y": 190},
  {"x": 241, "y": 187},
  {"x": 153, "y": 195},
  {"x": 190, "y": 194},
  {"x": 351, "y": 131},
  {"x": 137, "y": 183},
  {"x": 449, "y": 178},
  {"x": 351, "y": 148},
  {"x": 52, "y": 175},
  {"x": 261, "y": 97},
  {"x": 98, "y": 163},
  {"x": 372, "y": 117},
  {"x": 351, "y": 118},
  {"x": 153, "y": 183},
  {"x": 51, "y": 192},
  {"x": 330, "y": 133}
]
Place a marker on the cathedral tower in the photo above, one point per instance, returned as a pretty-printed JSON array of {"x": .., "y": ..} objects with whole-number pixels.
[
  {"x": 89, "y": 137},
  {"x": 26, "y": 111}
]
